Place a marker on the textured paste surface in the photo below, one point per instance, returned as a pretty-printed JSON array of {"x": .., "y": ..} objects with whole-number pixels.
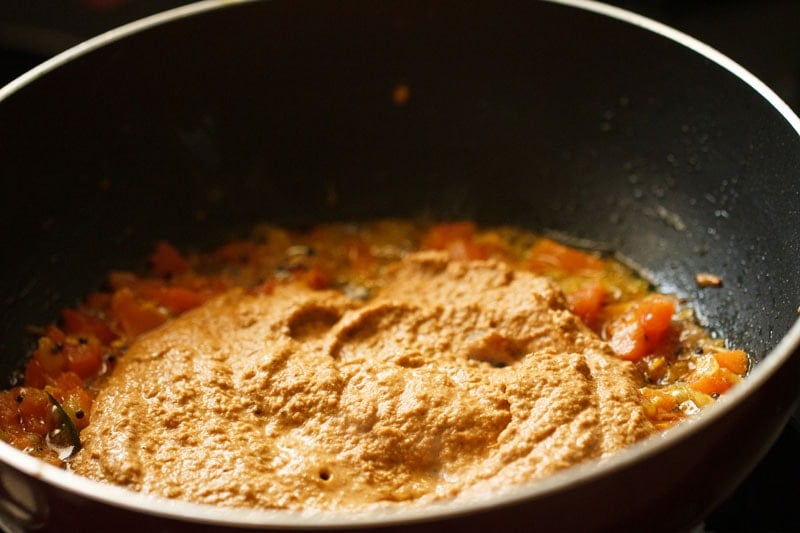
[{"x": 458, "y": 379}]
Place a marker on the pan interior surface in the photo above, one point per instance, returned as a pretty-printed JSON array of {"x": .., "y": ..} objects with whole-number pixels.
[
  {"x": 273, "y": 112},
  {"x": 672, "y": 163}
]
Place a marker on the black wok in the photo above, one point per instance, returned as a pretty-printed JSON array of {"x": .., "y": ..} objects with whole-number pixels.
[{"x": 581, "y": 120}]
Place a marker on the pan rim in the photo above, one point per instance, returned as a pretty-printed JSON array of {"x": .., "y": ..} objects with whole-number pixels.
[{"x": 575, "y": 476}]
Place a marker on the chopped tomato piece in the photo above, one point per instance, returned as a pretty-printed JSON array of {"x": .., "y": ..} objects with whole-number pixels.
[
  {"x": 628, "y": 340},
  {"x": 9, "y": 410},
  {"x": 79, "y": 323},
  {"x": 547, "y": 255},
  {"x": 35, "y": 409},
  {"x": 715, "y": 383},
  {"x": 176, "y": 299},
  {"x": 655, "y": 315},
  {"x": 34, "y": 444},
  {"x": 710, "y": 377},
  {"x": 457, "y": 239},
  {"x": 467, "y": 250},
  {"x": 50, "y": 356},
  {"x": 659, "y": 399},
  {"x": 179, "y": 300},
  {"x": 69, "y": 380},
  {"x": 587, "y": 302},
  {"x": 77, "y": 403},
  {"x": 639, "y": 331},
  {"x": 135, "y": 317},
  {"x": 85, "y": 359},
  {"x": 207, "y": 287},
  {"x": 167, "y": 261},
  {"x": 734, "y": 360},
  {"x": 55, "y": 334},
  {"x": 440, "y": 236},
  {"x": 35, "y": 376}
]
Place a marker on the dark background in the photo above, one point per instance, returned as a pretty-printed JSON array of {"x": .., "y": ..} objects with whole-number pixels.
[{"x": 761, "y": 35}]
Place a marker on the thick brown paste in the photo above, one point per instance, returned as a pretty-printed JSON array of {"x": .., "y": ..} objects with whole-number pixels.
[
  {"x": 356, "y": 365},
  {"x": 458, "y": 378}
]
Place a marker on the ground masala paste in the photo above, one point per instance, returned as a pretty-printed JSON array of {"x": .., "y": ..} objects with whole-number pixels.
[{"x": 357, "y": 365}]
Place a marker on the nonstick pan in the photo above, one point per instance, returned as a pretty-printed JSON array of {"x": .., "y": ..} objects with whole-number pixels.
[{"x": 572, "y": 118}]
